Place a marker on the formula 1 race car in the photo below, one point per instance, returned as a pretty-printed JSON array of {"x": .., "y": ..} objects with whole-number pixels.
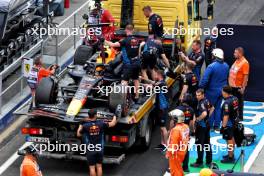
[{"x": 86, "y": 80}]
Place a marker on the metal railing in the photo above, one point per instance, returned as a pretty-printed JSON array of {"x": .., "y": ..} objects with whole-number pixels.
[
  {"x": 58, "y": 43},
  {"x": 18, "y": 83},
  {"x": 10, "y": 90}
]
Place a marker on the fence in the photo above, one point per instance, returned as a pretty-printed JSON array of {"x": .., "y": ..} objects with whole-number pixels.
[{"x": 12, "y": 82}]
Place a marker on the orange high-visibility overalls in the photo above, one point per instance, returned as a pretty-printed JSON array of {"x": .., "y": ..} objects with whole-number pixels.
[
  {"x": 177, "y": 148},
  {"x": 30, "y": 167}
]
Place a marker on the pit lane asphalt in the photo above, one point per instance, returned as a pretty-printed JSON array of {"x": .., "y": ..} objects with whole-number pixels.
[{"x": 151, "y": 162}]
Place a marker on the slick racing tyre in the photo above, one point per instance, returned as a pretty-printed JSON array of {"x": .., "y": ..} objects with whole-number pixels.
[
  {"x": 82, "y": 54},
  {"x": 46, "y": 92}
]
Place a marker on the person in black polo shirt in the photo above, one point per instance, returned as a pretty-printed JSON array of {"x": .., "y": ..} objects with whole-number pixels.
[
  {"x": 230, "y": 113},
  {"x": 209, "y": 46},
  {"x": 92, "y": 132},
  {"x": 155, "y": 25},
  {"x": 190, "y": 84},
  {"x": 196, "y": 58},
  {"x": 189, "y": 116},
  {"x": 161, "y": 104},
  {"x": 150, "y": 51},
  {"x": 130, "y": 56},
  {"x": 202, "y": 131}
]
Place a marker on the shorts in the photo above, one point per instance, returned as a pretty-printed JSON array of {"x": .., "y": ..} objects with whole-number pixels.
[
  {"x": 149, "y": 62},
  {"x": 94, "y": 158},
  {"x": 162, "y": 117},
  {"x": 131, "y": 71},
  {"x": 228, "y": 133},
  {"x": 32, "y": 86}
]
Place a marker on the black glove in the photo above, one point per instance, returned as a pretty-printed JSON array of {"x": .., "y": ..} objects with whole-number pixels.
[{"x": 102, "y": 40}]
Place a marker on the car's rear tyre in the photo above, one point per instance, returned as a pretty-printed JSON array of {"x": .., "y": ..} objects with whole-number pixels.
[
  {"x": 82, "y": 54},
  {"x": 46, "y": 92},
  {"x": 119, "y": 98},
  {"x": 145, "y": 141}
]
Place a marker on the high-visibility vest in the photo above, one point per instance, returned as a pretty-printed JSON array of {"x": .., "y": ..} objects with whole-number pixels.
[
  {"x": 30, "y": 167},
  {"x": 178, "y": 141},
  {"x": 234, "y": 71}
]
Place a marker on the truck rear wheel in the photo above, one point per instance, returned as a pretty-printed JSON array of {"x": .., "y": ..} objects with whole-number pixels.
[
  {"x": 145, "y": 141},
  {"x": 46, "y": 92}
]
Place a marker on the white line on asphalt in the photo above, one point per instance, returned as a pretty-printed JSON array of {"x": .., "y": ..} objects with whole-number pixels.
[
  {"x": 12, "y": 159},
  {"x": 7, "y": 132},
  {"x": 254, "y": 155}
]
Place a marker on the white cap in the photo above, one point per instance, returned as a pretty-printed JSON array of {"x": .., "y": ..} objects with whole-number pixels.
[
  {"x": 177, "y": 115},
  {"x": 218, "y": 53},
  {"x": 91, "y": 5}
]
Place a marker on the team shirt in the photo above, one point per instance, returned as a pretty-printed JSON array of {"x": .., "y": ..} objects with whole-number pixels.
[
  {"x": 130, "y": 48},
  {"x": 203, "y": 106},
  {"x": 188, "y": 113},
  {"x": 155, "y": 25},
  {"x": 162, "y": 97},
  {"x": 190, "y": 79},
  {"x": 198, "y": 58},
  {"x": 230, "y": 109},
  {"x": 94, "y": 132}
]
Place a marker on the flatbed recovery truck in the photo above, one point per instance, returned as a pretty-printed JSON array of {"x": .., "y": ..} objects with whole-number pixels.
[{"x": 136, "y": 127}]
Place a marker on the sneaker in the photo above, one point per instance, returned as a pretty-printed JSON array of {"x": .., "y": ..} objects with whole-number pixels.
[
  {"x": 186, "y": 170},
  {"x": 208, "y": 165},
  {"x": 160, "y": 147},
  {"x": 192, "y": 134},
  {"x": 167, "y": 173},
  {"x": 228, "y": 160},
  {"x": 225, "y": 156},
  {"x": 168, "y": 170},
  {"x": 217, "y": 129},
  {"x": 197, "y": 165}
]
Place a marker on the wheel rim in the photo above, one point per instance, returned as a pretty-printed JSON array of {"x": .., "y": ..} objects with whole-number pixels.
[
  {"x": 127, "y": 104},
  {"x": 147, "y": 136}
]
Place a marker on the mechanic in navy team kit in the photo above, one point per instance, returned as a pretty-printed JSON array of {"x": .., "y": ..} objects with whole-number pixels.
[
  {"x": 189, "y": 116},
  {"x": 92, "y": 131},
  {"x": 155, "y": 24},
  {"x": 161, "y": 104},
  {"x": 196, "y": 58},
  {"x": 209, "y": 46},
  {"x": 130, "y": 56},
  {"x": 150, "y": 51},
  {"x": 202, "y": 131},
  {"x": 230, "y": 113},
  {"x": 190, "y": 84}
]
